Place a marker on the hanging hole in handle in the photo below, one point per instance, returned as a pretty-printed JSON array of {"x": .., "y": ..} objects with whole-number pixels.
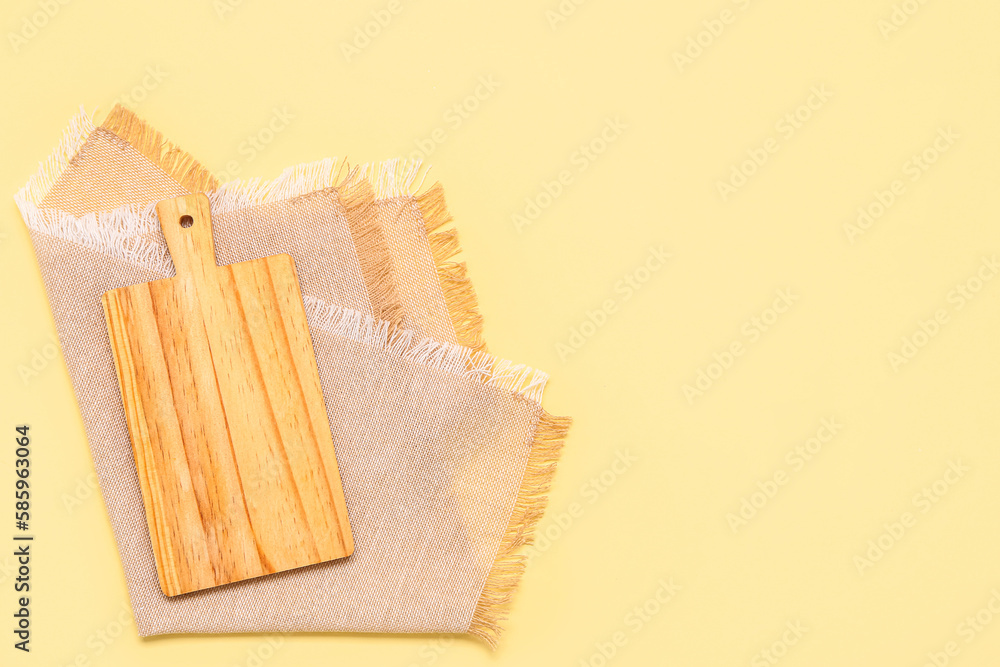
[{"x": 186, "y": 221}]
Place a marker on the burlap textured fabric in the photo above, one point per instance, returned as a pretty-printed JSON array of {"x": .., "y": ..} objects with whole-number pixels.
[
  {"x": 446, "y": 453},
  {"x": 404, "y": 239},
  {"x": 124, "y": 161},
  {"x": 435, "y": 293}
]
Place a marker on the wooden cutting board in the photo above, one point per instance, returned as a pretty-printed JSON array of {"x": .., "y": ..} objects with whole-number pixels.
[{"x": 226, "y": 415}]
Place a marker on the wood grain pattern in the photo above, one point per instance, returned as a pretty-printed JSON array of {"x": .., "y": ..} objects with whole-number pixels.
[{"x": 225, "y": 413}]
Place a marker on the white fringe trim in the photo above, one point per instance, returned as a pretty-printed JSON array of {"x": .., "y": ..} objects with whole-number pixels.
[
  {"x": 394, "y": 178},
  {"x": 501, "y": 373},
  {"x": 51, "y": 168},
  {"x": 292, "y": 182},
  {"x": 129, "y": 220},
  {"x": 389, "y": 179},
  {"x": 124, "y": 232},
  {"x": 110, "y": 231},
  {"x": 118, "y": 233}
]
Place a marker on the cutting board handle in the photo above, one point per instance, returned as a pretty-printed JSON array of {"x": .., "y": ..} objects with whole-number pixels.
[{"x": 187, "y": 226}]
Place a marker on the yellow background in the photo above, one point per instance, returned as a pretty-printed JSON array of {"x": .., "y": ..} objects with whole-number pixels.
[{"x": 665, "y": 515}]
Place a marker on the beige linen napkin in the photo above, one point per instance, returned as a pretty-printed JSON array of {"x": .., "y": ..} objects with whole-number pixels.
[
  {"x": 123, "y": 161},
  {"x": 434, "y": 291},
  {"x": 446, "y": 451}
]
